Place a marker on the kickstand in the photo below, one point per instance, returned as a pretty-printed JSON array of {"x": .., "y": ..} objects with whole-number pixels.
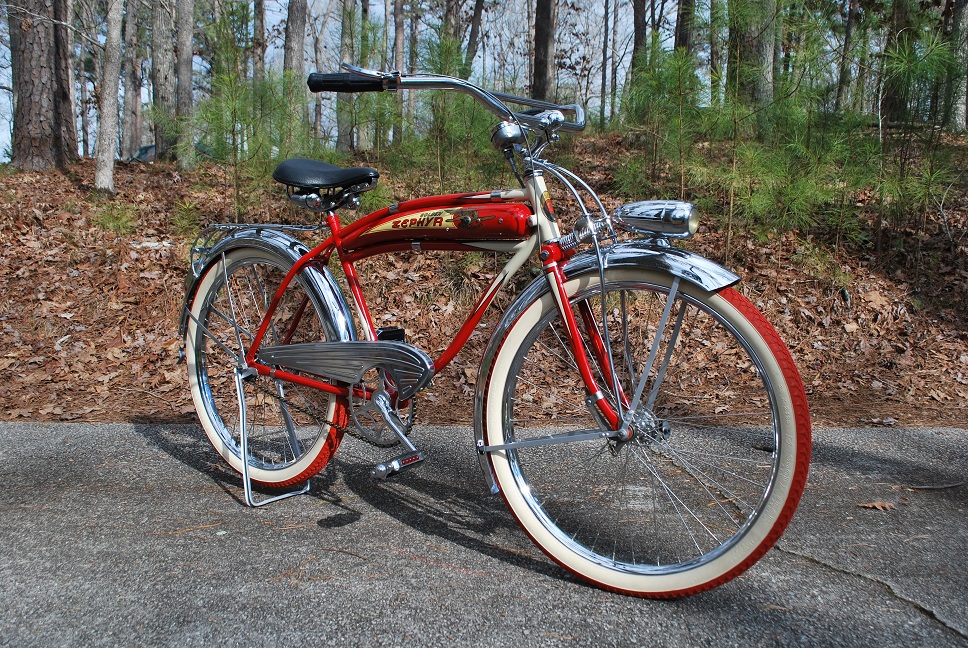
[{"x": 240, "y": 375}]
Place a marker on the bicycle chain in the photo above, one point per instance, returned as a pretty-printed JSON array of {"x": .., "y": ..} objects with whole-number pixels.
[{"x": 341, "y": 428}]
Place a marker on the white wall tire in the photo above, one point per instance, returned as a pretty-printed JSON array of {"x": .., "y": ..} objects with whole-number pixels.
[
  {"x": 569, "y": 497},
  {"x": 290, "y": 438}
]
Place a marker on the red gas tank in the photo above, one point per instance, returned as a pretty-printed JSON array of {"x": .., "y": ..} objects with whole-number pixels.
[{"x": 416, "y": 221}]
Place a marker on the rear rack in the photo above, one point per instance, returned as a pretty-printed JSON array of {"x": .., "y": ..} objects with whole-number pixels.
[{"x": 212, "y": 235}]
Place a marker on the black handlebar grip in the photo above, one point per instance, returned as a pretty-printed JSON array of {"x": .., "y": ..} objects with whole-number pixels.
[{"x": 342, "y": 82}]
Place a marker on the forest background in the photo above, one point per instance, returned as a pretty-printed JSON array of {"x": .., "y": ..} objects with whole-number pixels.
[{"x": 824, "y": 140}]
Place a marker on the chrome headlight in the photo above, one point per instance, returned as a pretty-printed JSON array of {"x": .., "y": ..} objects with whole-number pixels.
[{"x": 665, "y": 218}]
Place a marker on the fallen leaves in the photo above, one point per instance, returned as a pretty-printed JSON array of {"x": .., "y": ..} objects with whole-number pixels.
[
  {"x": 880, "y": 506},
  {"x": 88, "y": 320},
  {"x": 80, "y": 313}
]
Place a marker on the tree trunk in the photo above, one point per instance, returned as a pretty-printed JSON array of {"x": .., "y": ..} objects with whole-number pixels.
[
  {"x": 13, "y": 29},
  {"x": 529, "y": 39},
  {"x": 85, "y": 100},
  {"x": 900, "y": 34},
  {"x": 685, "y": 25},
  {"x": 639, "y": 42},
  {"x": 613, "y": 96},
  {"x": 751, "y": 47},
  {"x": 258, "y": 65},
  {"x": 163, "y": 78},
  {"x": 107, "y": 131},
  {"x": 779, "y": 13},
  {"x": 44, "y": 134},
  {"x": 64, "y": 86},
  {"x": 398, "y": 54},
  {"x": 258, "y": 41},
  {"x": 716, "y": 24},
  {"x": 319, "y": 50},
  {"x": 846, "y": 58},
  {"x": 293, "y": 66},
  {"x": 131, "y": 73},
  {"x": 545, "y": 21},
  {"x": 295, "y": 38},
  {"x": 859, "y": 98},
  {"x": 452, "y": 10},
  {"x": 412, "y": 55},
  {"x": 605, "y": 37},
  {"x": 385, "y": 54},
  {"x": 473, "y": 41},
  {"x": 88, "y": 18},
  {"x": 185, "y": 99},
  {"x": 959, "y": 77},
  {"x": 344, "y": 100}
]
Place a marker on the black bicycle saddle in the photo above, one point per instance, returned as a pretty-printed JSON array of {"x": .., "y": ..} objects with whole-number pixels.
[{"x": 313, "y": 175}]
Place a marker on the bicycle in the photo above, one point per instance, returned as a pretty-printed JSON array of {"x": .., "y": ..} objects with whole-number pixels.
[{"x": 642, "y": 420}]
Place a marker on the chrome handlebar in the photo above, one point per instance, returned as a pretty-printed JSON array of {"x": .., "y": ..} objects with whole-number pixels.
[{"x": 549, "y": 118}]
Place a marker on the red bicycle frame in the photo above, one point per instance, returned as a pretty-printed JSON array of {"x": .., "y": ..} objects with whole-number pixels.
[{"x": 500, "y": 221}]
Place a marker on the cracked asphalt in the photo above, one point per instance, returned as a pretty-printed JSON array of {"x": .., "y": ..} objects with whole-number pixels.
[{"x": 127, "y": 535}]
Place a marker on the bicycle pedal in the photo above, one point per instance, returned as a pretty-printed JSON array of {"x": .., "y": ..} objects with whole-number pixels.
[{"x": 395, "y": 465}]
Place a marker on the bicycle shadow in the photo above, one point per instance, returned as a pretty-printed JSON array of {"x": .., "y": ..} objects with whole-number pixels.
[
  {"x": 444, "y": 498},
  {"x": 188, "y": 445}
]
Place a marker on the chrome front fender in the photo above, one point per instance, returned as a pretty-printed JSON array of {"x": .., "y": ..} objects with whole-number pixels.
[
  {"x": 640, "y": 254},
  {"x": 662, "y": 258},
  {"x": 336, "y": 315}
]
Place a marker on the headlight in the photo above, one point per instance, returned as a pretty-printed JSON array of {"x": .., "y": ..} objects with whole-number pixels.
[
  {"x": 666, "y": 218},
  {"x": 505, "y": 135}
]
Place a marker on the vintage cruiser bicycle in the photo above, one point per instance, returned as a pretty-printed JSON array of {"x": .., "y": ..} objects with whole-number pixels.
[{"x": 642, "y": 420}]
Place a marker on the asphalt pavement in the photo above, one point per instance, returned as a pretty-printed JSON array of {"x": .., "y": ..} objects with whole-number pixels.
[{"x": 135, "y": 535}]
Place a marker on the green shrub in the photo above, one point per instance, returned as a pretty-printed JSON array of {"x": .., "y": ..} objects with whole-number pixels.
[{"x": 116, "y": 217}]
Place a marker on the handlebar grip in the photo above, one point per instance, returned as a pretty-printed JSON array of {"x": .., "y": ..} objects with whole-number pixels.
[{"x": 342, "y": 82}]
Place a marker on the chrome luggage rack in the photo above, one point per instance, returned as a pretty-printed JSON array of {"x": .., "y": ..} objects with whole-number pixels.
[{"x": 212, "y": 235}]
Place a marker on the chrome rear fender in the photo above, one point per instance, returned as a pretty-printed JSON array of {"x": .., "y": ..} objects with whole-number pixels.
[
  {"x": 642, "y": 254},
  {"x": 336, "y": 315}
]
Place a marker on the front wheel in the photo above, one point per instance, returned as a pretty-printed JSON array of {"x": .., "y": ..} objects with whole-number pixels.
[
  {"x": 292, "y": 430},
  {"x": 720, "y": 443}
]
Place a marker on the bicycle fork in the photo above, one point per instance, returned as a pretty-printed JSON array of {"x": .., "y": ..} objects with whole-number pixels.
[{"x": 618, "y": 414}]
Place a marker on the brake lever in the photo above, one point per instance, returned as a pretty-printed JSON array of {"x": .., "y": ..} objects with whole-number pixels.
[{"x": 370, "y": 73}]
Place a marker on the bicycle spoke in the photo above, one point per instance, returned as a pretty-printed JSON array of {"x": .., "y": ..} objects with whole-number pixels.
[
  {"x": 706, "y": 481},
  {"x": 676, "y": 502}
]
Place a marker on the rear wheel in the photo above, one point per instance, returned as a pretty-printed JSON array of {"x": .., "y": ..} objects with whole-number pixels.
[
  {"x": 720, "y": 443},
  {"x": 292, "y": 430}
]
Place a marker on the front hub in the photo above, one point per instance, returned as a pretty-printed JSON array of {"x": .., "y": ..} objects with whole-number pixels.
[{"x": 647, "y": 429}]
